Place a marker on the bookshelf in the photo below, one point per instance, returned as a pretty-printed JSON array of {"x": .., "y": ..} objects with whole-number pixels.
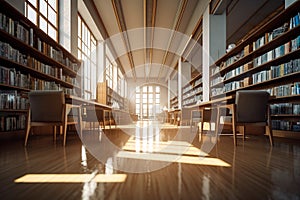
[
  {"x": 106, "y": 95},
  {"x": 192, "y": 92},
  {"x": 174, "y": 102},
  {"x": 30, "y": 60},
  {"x": 268, "y": 59}
]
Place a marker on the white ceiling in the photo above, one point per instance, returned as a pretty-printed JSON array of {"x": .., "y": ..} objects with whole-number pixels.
[{"x": 149, "y": 52}]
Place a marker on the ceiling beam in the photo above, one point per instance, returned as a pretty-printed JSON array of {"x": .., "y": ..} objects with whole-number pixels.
[
  {"x": 150, "y": 7},
  {"x": 176, "y": 25},
  {"x": 100, "y": 25},
  {"x": 123, "y": 30},
  {"x": 195, "y": 37}
]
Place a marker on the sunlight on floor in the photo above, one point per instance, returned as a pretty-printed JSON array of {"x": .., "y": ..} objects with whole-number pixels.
[{"x": 71, "y": 178}]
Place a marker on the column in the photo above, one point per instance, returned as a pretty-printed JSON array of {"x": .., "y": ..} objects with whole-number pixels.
[
  {"x": 214, "y": 45},
  {"x": 101, "y": 61},
  {"x": 179, "y": 85}
]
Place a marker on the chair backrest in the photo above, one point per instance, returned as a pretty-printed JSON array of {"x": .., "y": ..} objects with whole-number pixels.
[
  {"x": 47, "y": 106},
  {"x": 251, "y": 106}
]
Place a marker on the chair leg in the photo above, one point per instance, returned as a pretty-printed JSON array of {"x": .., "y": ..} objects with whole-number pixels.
[
  {"x": 54, "y": 132},
  {"x": 65, "y": 133},
  {"x": 234, "y": 125},
  {"x": 28, "y": 126},
  {"x": 270, "y": 135},
  {"x": 80, "y": 121},
  {"x": 27, "y": 134},
  {"x": 243, "y": 132}
]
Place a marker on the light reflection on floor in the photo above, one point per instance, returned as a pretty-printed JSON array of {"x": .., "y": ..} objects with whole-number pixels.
[{"x": 146, "y": 145}]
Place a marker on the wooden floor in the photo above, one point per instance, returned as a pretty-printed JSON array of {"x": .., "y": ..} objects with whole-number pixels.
[{"x": 149, "y": 163}]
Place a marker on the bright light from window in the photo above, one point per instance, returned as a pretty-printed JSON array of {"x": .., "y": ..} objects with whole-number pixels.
[{"x": 71, "y": 178}]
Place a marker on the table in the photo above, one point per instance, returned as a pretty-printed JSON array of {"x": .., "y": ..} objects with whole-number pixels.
[{"x": 95, "y": 106}]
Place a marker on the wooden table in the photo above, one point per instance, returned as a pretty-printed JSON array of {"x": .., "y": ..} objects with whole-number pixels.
[
  {"x": 84, "y": 103},
  {"x": 203, "y": 111}
]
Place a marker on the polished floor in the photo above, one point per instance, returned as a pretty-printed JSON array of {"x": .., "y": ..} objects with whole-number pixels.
[{"x": 149, "y": 161}]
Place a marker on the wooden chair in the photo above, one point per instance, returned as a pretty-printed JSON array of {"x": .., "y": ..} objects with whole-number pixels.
[
  {"x": 48, "y": 108},
  {"x": 250, "y": 108}
]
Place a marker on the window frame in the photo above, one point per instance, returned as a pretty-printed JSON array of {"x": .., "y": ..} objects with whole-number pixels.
[
  {"x": 87, "y": 51},
  {"x": 41, "y": 16}
]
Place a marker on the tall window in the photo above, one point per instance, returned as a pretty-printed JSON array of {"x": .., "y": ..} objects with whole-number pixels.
[
  {"x": 87, "y": 53},
  {"x": 44, "y": 14},
  {"x": 109, "y": 73},
  {"x": 147, "y": 101}
]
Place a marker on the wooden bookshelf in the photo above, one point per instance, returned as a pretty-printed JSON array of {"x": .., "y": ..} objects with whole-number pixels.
[
  {"x": 106, "y": 95},
  {"x": 174, "y": 102},
  {"x": 268, "y": 59},
  {"x": 30, "y": 60},
  {"x": 192, "y": 92}
]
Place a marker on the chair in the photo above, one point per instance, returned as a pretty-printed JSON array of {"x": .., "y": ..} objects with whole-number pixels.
[
  {"x": 94, "y": 114},
  {"x": 48, "y": 108},
  {"x": 250, "y": 108}
]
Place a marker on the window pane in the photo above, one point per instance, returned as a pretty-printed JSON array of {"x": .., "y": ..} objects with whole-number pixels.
[
  {"x": 43, "y": 24},
  {"x": 52, "y": 32},
  {"x": 52, "y": 17},
  {"x": 53, "y": 4},
  {"x": 32, "y": 14},
  {"x": 150, "y": 89},
  {"x": 157, "y": 89},
  {"x": 33, "y": 2},
  {"x": 145, "y": 89},
  {"x": 43, "y": 7}
]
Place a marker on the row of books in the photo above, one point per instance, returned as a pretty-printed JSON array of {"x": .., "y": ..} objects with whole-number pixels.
[
  {"x": 295, "y": 43},
  {"x": 27, "y": 35},
  {"x": 264, "y": 39},
  {"x": 217, "y": 91},
  {"x": 10, "y": 99},
  {"x": 273, "y": 54},
  {"x": 285, "y": 108},
  {"x": 187, "y": 88},
  {"x": 198, "y": 81},
  {"x": 232, "y": 59},
  {"x": 234, "y": 72},
  {"x": 194, "y": 100},
  {"x": 8, "y": 52},
  {"x": 285, "y": 90},
  {"x": 192, "y": 92},
  {"x": 234, "y": 85},
  {"x": 216, "y": 80},
  {"x": 260, "y": 42},
  {"x": 285, "y": 125},
  {"x": 14, "y": 28},
  {"x": 12, "y": 123},
  {"x": 286, "y": 68},
  {"x": 11, "y": 76},
  {"x": 215, "y": 70},
  {"x": 293, "y": 22}
]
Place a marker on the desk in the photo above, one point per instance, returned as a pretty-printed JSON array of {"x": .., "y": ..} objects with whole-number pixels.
[
  {"x": 173, "y": 116},
  {"x": 101, "y": 112},
  {"x": 203, "y": 111}
]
